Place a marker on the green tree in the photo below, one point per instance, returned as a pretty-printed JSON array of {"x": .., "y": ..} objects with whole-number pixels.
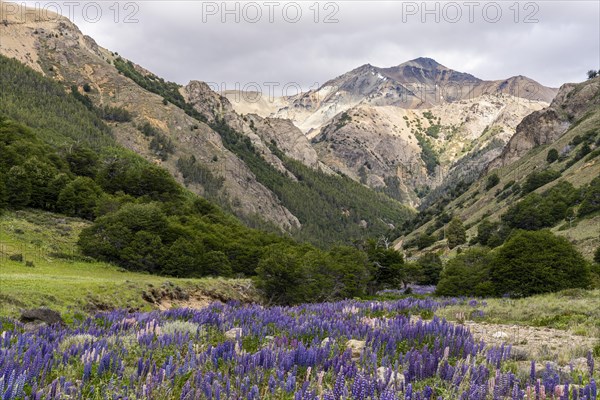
[
  {"x": 40, "y": 173},
  {"x": 431, "y": 267},
  {"x": 467, "y": 274},
  {"x": 456, "y": 233},
  {"x": 492, "y": 234},
  {"x": 83, "y": 161},
  {"x": 280, "y": 275},
  {"x": 552, "y": 155},
  {"x": 143, "y": 253},
  {"x": 591, "y": 74},
  {"x": 591, "y": 199},
  {"x": 216, "y": 263},
  {"x": 539, "y": 179},
  {"x": 79, "y": 198},
  {"x": 538, "y": 262},
  {"x": 3, "y": 191},
  {"x": 108, "y": 237},
  {"x": 387, "y": 269},
  {"x": 183, "y": 258},
  {"x": 18, "y": 187},
  {"x": 350, "y": 266}
]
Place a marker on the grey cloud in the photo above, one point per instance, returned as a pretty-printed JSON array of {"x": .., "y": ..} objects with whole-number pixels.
[{"x": 172, "y": 40}]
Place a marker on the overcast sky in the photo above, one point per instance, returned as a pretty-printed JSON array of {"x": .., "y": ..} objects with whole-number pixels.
[{"x": 552, "y": 42}]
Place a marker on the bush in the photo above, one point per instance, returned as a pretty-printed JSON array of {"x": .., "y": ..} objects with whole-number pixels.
[
  {"x": 597, "y": 256},
  {"x": 552, "y": 155},
  {"x": 537, "y": 262},
  {"x": 492, "y": 181},
  {"x": 468, "y": 274},
  {"x": 591, "y": 199},
  {"x": 16, "y": 257},
  {"x": 116, "y": 114},
  {"x": 539, "y": 179},
  {"x": 424, "y": 241}
]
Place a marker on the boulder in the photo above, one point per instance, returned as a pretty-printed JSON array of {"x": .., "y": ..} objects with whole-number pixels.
[
  {"x": 356, "y": 347},
  {"x": 44, "y": 315},
  {"x": 395, "y": 377},
  {"x": 500, "y": 335}
]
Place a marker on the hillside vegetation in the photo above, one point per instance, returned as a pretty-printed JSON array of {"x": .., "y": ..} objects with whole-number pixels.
[
  {"x": 142, "y": 220},
  {"x": 42, "y": 266},
  {"x": 553, "y": 186}
]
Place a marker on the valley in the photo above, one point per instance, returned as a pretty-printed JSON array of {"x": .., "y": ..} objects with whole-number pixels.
[{"x": 408, "y": 232}]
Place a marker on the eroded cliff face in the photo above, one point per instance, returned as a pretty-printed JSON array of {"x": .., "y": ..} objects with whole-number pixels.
[
  {"x": 571, "y": 103},
  {"x": 389, "y": 148}
]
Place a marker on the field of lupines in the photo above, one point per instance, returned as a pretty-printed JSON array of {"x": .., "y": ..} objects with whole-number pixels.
[{"x": 333, "y": 351}]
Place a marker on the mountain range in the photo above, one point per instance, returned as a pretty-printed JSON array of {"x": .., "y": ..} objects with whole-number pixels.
[{"x": 389, "y": 141}]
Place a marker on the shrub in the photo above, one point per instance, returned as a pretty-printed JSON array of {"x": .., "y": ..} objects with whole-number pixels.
[
  {"x": 116, "y": 114},
  {"x": 552, "y": 155},
  {"x": 492, "y": 181},
  {"x": 424, "y": 241},
  {"x": 537, "y": 262},
  {"x": 16, "y": 257},
  {"x": 591, "y": 199},
  {"x": 597, "y": 256}
]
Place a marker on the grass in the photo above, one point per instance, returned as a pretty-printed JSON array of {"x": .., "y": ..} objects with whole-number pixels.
[
  {"x": 574, "y": 310},
  {"x": 59, "y": 277}
]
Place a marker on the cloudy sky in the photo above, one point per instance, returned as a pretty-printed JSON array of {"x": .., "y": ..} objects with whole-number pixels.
[{"x": 306, "y": 42}]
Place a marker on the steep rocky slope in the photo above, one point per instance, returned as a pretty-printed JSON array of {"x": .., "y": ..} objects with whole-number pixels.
[
  {"x": 545, "y": 126},
  {"x": 53, "y": 45},
  {"x": 407, "y": 152}
]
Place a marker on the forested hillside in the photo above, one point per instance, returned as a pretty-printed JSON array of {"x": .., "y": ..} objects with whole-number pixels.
[
  {"x": 57, "y": 154},
  {"x": 331, "y": 208}
]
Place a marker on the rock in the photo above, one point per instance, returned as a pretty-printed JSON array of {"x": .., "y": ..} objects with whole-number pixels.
[
  {"x": 325, "y": 342},
  {"x": 44, "y": 315},
  {"x": 518, "y": 354},
  {"x": 357, "y": 347},
  {"x": 578, "y": 364},
  {"x": 500, "y": 335},
  {"x": 395, "y": 377},
  {"x": 233, "y": 333}
]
